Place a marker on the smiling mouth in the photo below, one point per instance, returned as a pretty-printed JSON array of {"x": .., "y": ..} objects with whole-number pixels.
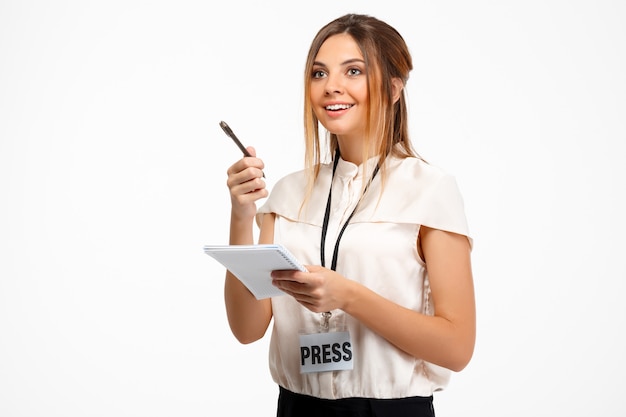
[{"x": 335, "y": 107}]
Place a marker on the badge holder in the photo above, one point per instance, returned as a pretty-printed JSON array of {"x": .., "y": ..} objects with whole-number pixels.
[{"x": 326, "y": 350}]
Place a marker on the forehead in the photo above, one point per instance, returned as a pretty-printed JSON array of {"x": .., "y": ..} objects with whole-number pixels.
[{"x": 338, "y": 48}]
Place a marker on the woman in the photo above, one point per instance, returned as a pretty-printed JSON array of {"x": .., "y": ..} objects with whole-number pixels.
[{"x": 385, "y": 311}]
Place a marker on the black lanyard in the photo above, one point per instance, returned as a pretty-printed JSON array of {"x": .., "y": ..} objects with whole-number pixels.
[{"x": 333, "y": 265}]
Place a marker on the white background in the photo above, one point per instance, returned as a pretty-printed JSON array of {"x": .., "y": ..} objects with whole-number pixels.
[{"x": 112, "y": 178}]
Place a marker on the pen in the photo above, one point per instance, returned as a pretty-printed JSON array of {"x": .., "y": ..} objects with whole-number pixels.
[
  {"x": 231, "y": 135},
  {"x": 229, "y": 132}
]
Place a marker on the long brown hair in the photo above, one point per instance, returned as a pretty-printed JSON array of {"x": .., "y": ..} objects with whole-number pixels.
[{"x": 386, "y": 57}]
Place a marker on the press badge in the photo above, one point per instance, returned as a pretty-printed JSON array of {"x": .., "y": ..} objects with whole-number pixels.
[{"x": 328, "y": 351}]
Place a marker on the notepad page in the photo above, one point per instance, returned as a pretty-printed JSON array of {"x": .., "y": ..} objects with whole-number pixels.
[{"x": 253, "y": 264}]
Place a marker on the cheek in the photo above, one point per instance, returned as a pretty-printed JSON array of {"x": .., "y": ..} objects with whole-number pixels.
[
  {"x": 319, "y": 112},
  {"x": 317, "y": 92},
  {"x": 361, "y": 91},
  {"x": 316, "y": 98}
]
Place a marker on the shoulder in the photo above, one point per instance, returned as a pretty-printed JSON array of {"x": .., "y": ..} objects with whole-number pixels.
[
  {"x": 415, "y": 169},
  {"x": 293, "y": 180},
  {"x": 420, "y": 193},
  {"x": 419, "y": 180}
]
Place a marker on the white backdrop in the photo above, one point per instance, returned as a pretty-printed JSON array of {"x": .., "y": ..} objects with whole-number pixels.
[{"x": 112, "y": 178}]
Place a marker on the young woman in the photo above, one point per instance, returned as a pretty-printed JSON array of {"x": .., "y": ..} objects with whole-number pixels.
[{"x": 385, "y": 311}]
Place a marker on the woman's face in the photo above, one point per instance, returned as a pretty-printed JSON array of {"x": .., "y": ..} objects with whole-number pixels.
[{"x": 339, "y": 87}]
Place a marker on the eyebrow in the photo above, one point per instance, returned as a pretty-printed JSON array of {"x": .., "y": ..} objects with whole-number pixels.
[{"x": 346, "y": 62}]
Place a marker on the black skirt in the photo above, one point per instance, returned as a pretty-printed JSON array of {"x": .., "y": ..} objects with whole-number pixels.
[{"x": 291, "y": 404}]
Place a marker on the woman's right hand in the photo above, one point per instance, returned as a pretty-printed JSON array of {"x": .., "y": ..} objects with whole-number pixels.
[{"x": 246, "y": 185}]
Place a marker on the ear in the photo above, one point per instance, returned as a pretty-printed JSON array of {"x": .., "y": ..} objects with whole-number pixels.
[{"x": 396, "y": 89}]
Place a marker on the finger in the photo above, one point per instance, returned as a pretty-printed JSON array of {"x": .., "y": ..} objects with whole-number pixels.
[
  {"x": 245, "y": 187},
  {"x": 291, "y": 288},
  {"x": 240, "y": 175},
  {"x": 290, "y": 276},
  {"x": 245, "y": 164}
]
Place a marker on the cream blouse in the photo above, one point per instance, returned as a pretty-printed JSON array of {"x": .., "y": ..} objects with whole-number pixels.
[{"x": 378, "y": 249}]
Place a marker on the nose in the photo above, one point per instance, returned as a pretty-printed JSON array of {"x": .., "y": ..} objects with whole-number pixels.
[{"x": 333, "y": 85}]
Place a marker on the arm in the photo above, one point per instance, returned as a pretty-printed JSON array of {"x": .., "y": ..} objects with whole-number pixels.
[
  {"x": 446, "y": 339},
  {"x": 248, "y": 317}
]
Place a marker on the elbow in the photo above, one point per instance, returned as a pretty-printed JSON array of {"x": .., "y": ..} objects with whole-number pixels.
[
  {"x": 246, "y": 339},
  {"x": 461, "y": 348},
  {"x": 249, "y": 323},
  {"x": 460, "y": 358},
  {"x": 246, "y": 336},
  {"x": 458, "y": 364}
]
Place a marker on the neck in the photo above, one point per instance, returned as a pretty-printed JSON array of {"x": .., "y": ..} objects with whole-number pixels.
[{"x": 351, "y": 150}]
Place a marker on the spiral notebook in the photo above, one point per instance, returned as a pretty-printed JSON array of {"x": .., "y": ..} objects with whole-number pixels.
[{"x": 253, "y": 264}]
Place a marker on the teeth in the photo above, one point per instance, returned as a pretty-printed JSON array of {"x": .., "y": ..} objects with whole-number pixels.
[{"x": 338, "y": 106}]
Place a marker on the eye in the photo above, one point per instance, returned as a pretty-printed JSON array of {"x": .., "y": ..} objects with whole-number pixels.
[
  {"x": 318, "y": 73},
  {"x": 354, "y": 71}
]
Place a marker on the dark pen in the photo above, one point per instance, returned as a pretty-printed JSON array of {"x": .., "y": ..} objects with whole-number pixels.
[{"x": 229, "y": 132}]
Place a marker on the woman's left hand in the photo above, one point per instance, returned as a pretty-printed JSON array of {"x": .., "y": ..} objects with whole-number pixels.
[{"x": 320, "y": 289}]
